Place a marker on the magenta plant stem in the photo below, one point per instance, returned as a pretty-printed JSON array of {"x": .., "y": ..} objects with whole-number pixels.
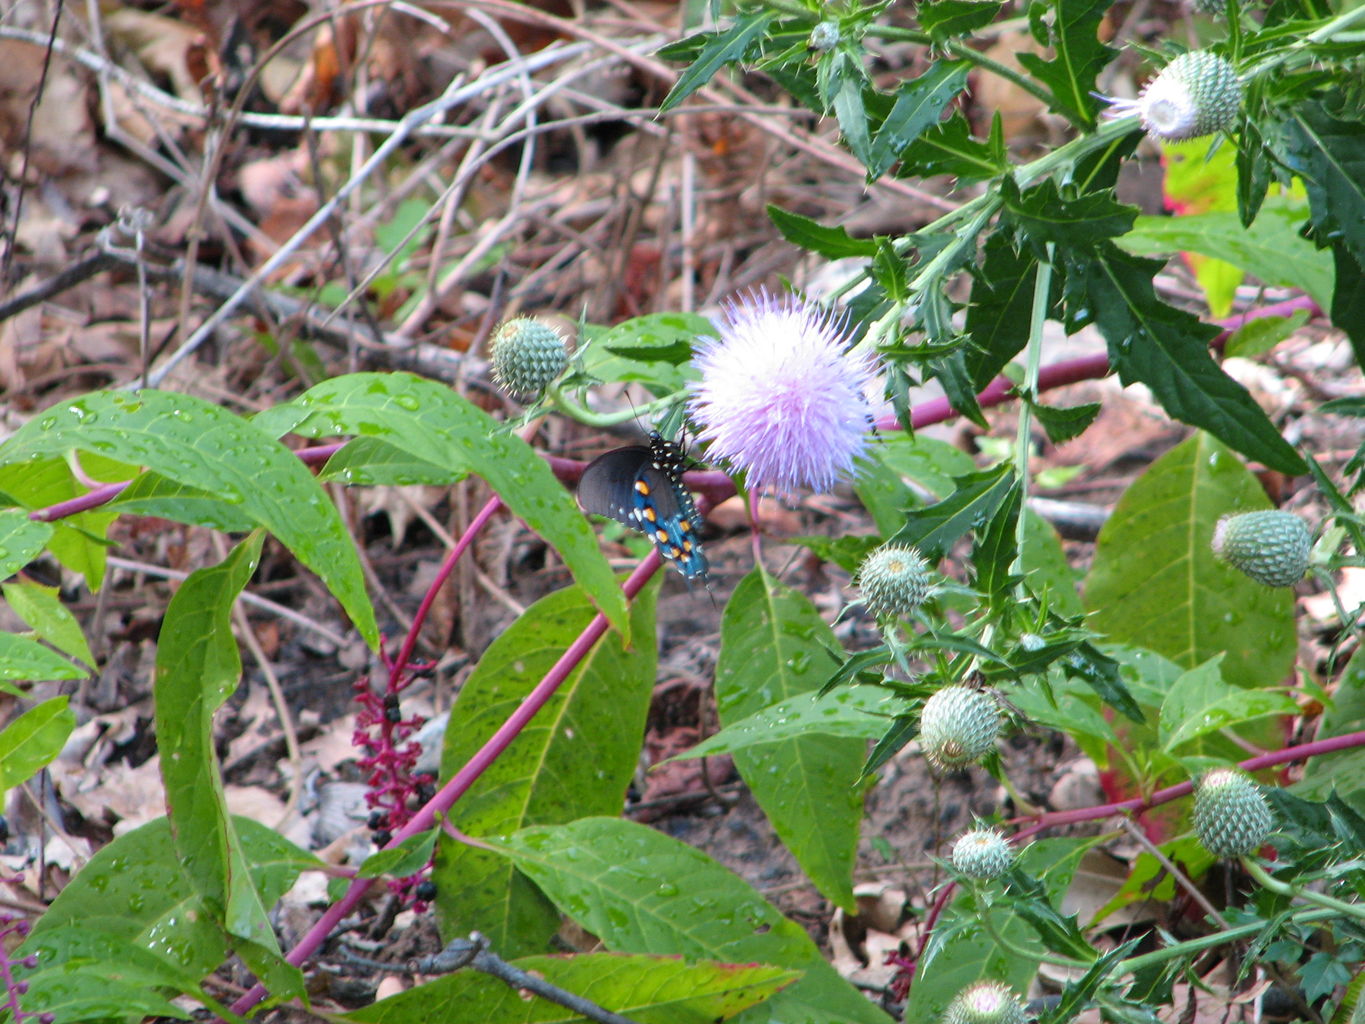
[{"x": 451, "y": 792}]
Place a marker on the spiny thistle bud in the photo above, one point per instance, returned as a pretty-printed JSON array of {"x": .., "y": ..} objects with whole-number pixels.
[
  {"x": 1231, "y": 816},
  {"x": 1196, "y": 94},
  {"x": 957, "y": 727},
  {"x": 1270, "y": 546},
  {"x": 527, "y": 355},
  {"x": 824, "y": 36},
  {"x": 986, "y": 1002},
  {"x": 894, "y": 580},
  {"x": 983, "y": 853}
]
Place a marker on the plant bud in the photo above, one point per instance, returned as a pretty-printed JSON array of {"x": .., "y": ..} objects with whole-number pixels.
[
  {"x": 957, "y": 727},
  {"x": 1196, "y": 94},
  {"x": 986, "y": 1002},
  {"x": 982, "y": 853},
  {"x": 1270, "y": 546},
  {"x": 1231, "y": 816},
  {"x": 894, "y": 580},
  {"x": 527, "y": 355}
]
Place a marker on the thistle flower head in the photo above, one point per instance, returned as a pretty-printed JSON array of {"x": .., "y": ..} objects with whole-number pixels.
[
  {"x": 781, "y": 398},
  {"x": 527, "y": 354},
  {"x": 1231, "y": 815},
  {"x": 1196, "y": 94},
  {"x": 982, "y": 853},
  {"x": 894, "y": 579},
  {"x": 1269, "y": 545},
  {"x": 986, "y": 1002},
  {"x": 957, "y": 726}
]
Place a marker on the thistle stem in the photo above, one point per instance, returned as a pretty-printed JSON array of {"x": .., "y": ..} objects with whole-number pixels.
[{"x": 1265, "y": 878}]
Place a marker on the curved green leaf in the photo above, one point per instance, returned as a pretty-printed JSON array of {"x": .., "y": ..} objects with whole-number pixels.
[
  {"x": 202, "y": 446},
  {"x": 21, "y": 540},
  {"x": 32, "y": 740},
  {"x": 432, "y": 424}
]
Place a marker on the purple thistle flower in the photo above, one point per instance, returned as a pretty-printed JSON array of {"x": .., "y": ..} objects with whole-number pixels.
[{"x": 781, "y": 398}]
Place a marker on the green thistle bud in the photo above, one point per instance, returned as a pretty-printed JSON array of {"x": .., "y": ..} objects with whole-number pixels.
[
  {"x": 894, "y": 580},
  {"x": 986, "y": 1002},
  {"x": 1270, "y": 546},
  {"x": 1231, "y": 816},
  {"x": 527, "y": 355},
  {"x": 957, "y": 727},
  {"x": 824, "y": 36},
  {"x": 1196, "y": 94},
  {"x": 983, "y": 853}
]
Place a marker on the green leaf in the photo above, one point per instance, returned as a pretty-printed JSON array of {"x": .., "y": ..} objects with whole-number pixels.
[
  {"x": 1062, "y": 424},
  {"x": 932, "y": 464},
  {"x": 1200, "y": 702},
  {"x": 21, "y": 540},
  {"x": 433, "y": 424},
  {"x": 1348, "y": 299},
  {"x": 919, "y": 105},
  {"x": 1044, "y": 215},
  {"x": 135, "y": 896},
  {"x": 739, "y": 42},
  {"x": 647, "y": 989},
  {"x": 1047, "y": 573},
  {"x": 645, "y": 349},
  {"x": 775, "y": 646},
  {"x": 1167, "y": 349},
  {"x": 1271, "y": 249},
  {"x": 201, "y": 445},
  {"x": 948, "y": 148},
  {"x": 851, "y": 113},
  {"x": 832, "y": 242},
  {"x": 1256, "y": 337},
  {"x": 42, "y": 611},
  {"x": 641, "y": 891},
  {"x": 29, "y": 661},
  {"x": 945, "y": 19},
  {"x": 846, "y": 552},
  {"x": 548, "y": 776},
  {"x": 31, "y": 741},
  {"x": 76, "y": 541},
  {"x": 1000, "y": 307},
  {"x": 1342, "y": 770},
  {"x": 933, "y": 530},
  {"x": 407, "y": 858},
  {"x": 368, "y": 461},
  {"x": 852, "y": 711},
  {"x": 152, "y": 494},
  {"x": 1079, "y": 55},
  {"x": 197, "y": 669},
  {"x": 1155, "y": 583},
  {"x": 995, "y": 550},
  {"x": 1329, "y": 154}
]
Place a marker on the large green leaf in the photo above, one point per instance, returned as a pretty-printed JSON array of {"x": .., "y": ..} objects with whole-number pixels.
[
  {"x": 197, "y": 669},
  {"x": 1167, "y": 349},
  {"x": 134, "y": 897},
  {"x": 573, "y": 760},
  {"x": 647, "y": 989},
  {"x": 774, "y": 646},
  {"x": 29, "y": 661},
  {"x": 1154, "y": 582},
  {"x": 1271, "y": 249},
  {"x": 1079, "y": 54},
  {"x": 860, "y": 712},
  {"x": 1043, "y": 214},
  {"x": 434, "y": 425},
  {"x": 640, "y": 891},
  {"x": 1201, "y": 702},
  {"x": 203, "y": 446}
]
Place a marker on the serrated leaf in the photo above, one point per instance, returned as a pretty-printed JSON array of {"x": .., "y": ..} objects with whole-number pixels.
[
  {"x": 640, "y": 891},
  {"x": 919, "y": 105},
  {"x": 996, "y": 549},
  {"x": 1167, "y": 349},
  {"x": 204, "y": 446},
  {"x": 32, "y": 740},
  {"x": 573, "y": 760},
  {"x": 949, "y": 148},
  {"x": 945, "y": 19},
  {"x": 1000, "y": 307},
  {"x": 1201, "y": 702},
  {"x": 647, "y": 989},
  {"x": 737, "y": 43},
  {"x": 1155, "y": 583},
  {"x": 775, "y": 646},
  {"x": 852, "y": 711},
  {"x": 432, "y": 423},
  {"x": 933, "y": 530},
  {"x": 1046, "y": 216},
  {"x": 1329, "y": 153},
  {"x": 1348, "y": 299},
  {"x": 1271, "y": 249},
  {"x": 832, "y": 242},
  {"x": 1063, "y": 423},
  {"x": 1079, "y": 56},
  {"x": 851, "y": 113}
]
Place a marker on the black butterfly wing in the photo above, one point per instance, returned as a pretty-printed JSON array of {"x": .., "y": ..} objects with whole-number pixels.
[{"x": 607, "y": 487}]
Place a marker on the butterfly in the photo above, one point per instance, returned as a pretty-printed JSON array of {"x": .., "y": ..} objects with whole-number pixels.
[{"x": 642, "y": 487}]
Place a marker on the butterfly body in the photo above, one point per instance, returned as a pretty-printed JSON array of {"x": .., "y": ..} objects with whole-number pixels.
[{"x": 641, "y": 487}]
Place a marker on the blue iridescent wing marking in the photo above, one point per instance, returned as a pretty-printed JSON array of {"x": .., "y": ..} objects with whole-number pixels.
[{"x": 642, "y": 488}]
